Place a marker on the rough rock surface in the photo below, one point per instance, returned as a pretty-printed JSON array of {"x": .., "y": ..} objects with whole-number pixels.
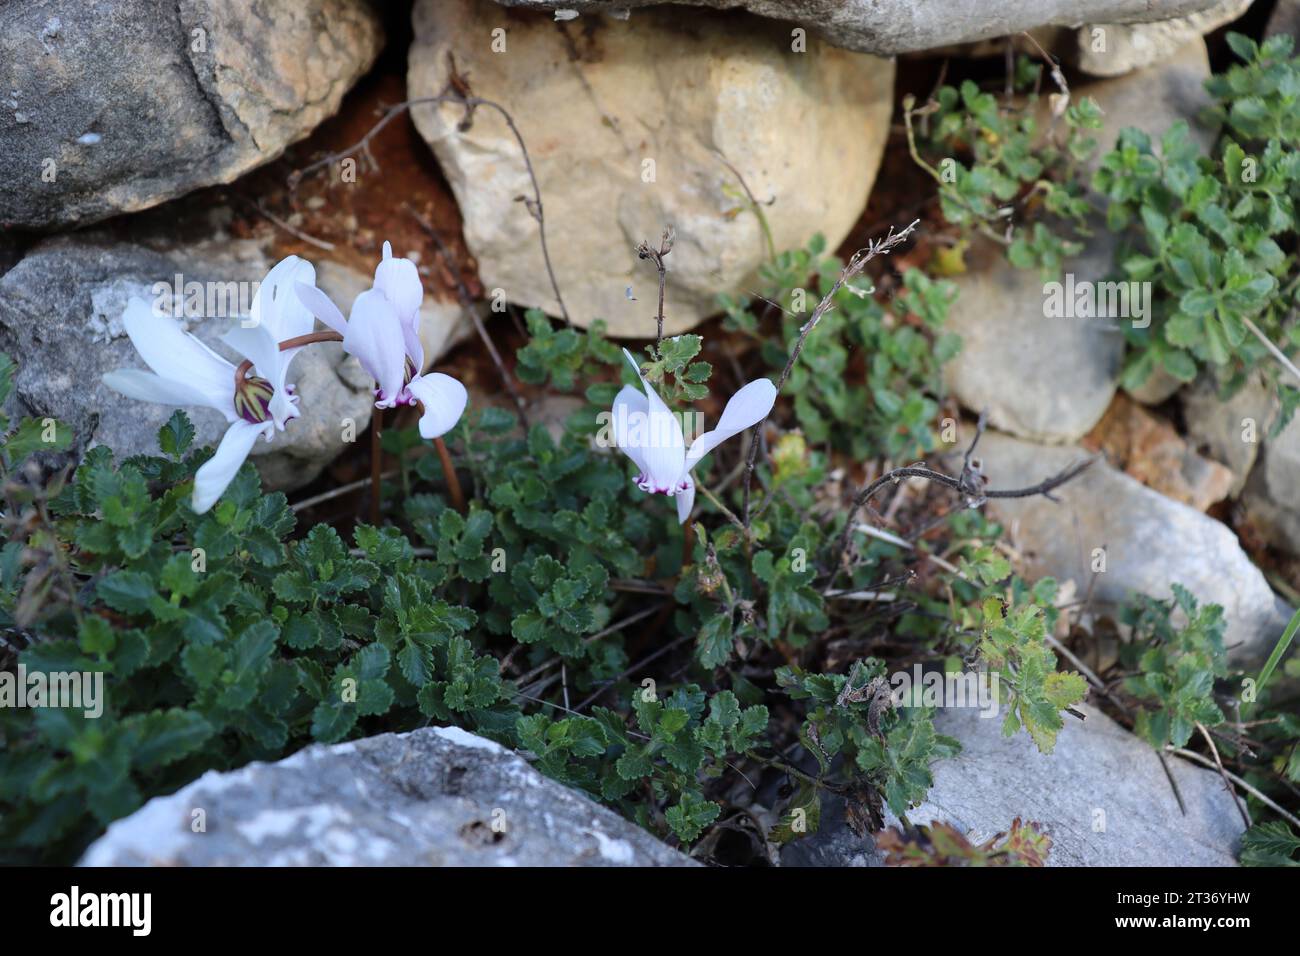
[
  {"x": 1046, "y": 378},
  {"x": 1154, "y": 99},
  {"x": 1273, "y": 493},
  {"x": 1230, "y": 431},
  {"x": 1285, "y": 18},
  {"x": 631, "y": 126},
  {"x": 888, "y": 27},
  {"x": 1150, "y": 449},
  {"x": 1112, "y": 49},
  {"x": 1064, "y": 369},
  {"x": 60, "y": 320},
  {"x": 1101, "y": 795},
  {"x": 435, "y": 797},
  {"x": 116, "y": 105},
  {"x": 1149, "y": 541}
]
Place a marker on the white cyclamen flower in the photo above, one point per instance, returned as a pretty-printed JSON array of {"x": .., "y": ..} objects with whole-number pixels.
[
  {"x": 187, "y": 372},
  {"x": 651, "y": 435},
  {"x": 383, "y": 332}
]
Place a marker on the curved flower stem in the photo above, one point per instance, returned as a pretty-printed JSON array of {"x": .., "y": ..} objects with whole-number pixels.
[
  {"x": 376, "y": 464},
  {"x": 241, "y": 371},
  {"x": 449, "y": 473}
]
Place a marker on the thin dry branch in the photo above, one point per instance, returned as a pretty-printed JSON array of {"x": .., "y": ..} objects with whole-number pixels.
[
  {"x": 970, "y": 484},
  {"x": 857, "y": 262},
  {"x": 647, "y": 251},
  {"x": 457, "y": 91},
  {"x": 467, "y": 306}
]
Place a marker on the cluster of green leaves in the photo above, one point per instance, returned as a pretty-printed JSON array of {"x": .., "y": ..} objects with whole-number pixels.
[
  {"x": 565, "y": 357},
  {"x": 1013, "y": 645},
  {"x": 1210, "y": 232},
  {"x": 1176, "y": 666},
  {"x": 673, "y": 747},
  {"x": 853, "y": 715},
  {"x": 1272, "y": 843},
  {"x": 902, "y": 351},
  {"x": 32, "y": 562},
  {"x": 221, "y": 643},
  {"x": 1009, "y": 171}
]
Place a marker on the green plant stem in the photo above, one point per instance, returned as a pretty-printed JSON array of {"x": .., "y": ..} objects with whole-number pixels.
[{"x": 1279, "y": 650}]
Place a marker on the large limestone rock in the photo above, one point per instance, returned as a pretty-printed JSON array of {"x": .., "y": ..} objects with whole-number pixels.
[
  {"x": 1112, "y": 49},
  {"x": 1232, "y": 430},
  {"x": 112, "y": 106},
  {"x": 434, "y": 797},
  {"x": 631, "y": 126},
  {"x": 1273, "y": 493},
  {"x": 1044, "y": 377},
  {"x": 887, "y": 27},
  {"x": 1148, "y": 542},
  {"x": 1050, "y": 377},
  {"x": 61, "y": 321},
  {"x": 1101, "y": 796},
  {"x": 1154, "y": 99}
]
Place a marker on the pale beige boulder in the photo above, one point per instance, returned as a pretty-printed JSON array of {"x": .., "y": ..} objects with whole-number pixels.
[{"x": 631, "y": 127}]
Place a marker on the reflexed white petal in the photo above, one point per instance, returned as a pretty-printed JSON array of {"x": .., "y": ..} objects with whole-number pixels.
[
  {"x": 148, "y": 387},
  {"x": 664, "y": 449},
  {"x": 443, "y": 399},
  {"x": 747, "y": 407},
  {"x": 177, "y": 355},
  {"x": 320, "y": 305},
  {"x": 399, "y": 281},
  {"x": 629, "y": 414},
  {"x": 215, "y": 475},
  {"x": 259, "y": 347},
  {"x": 374, "y": 336},
  {"x": 414, "y": 347},
  {"x": 685, "y": 501},
  {"x": 277, "y": 307}
]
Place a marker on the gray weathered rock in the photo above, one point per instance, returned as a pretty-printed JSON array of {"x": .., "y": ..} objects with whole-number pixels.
[
  {"x": 1285, "y": 18},
  {"x": 112, "y": 106},
  {"x": 1273, "y": 493},
  {"x": 1154, "y": 99},
  {"x": 60, "y": 319},
  {"x": 631, "y": 127},
  {"x": 1047, "y": 378},
  {"x": 1229, "y": 431},
  {"x": 1101, "y": 795},
  {"x": 888, "y": 27},
  {"x": 1063, "y": 370},
  {"x": 435, "y": 797},
  {"x": 1112, "y": 49},
  {"x": 1148, "y": 541}
]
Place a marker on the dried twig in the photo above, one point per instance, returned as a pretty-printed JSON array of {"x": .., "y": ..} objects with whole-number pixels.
[
  {"x": 338, "y": 492},
  {"x": 647, "y": 251},
  {"x": 632, "y": 670},
  {"x": 1273, "y": 350},
  {"x": 970, "y": 484},
  {"x": 1218, "y": 763},
  {"x": 457, "y": 91},
  {"x": 856, "y": 264},
  {"x": 291, "y": 230},
  {"x": 1253, "y": 791}
]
